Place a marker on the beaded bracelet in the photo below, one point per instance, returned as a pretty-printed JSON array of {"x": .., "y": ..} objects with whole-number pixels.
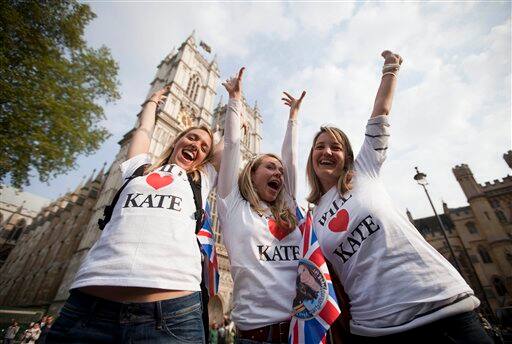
[{"x": 150, "y": 101}]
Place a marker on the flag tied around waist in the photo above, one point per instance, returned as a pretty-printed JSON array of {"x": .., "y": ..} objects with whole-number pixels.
[
  {"x": 206, "y": 238},
  {"x": 315, "y": 306}
]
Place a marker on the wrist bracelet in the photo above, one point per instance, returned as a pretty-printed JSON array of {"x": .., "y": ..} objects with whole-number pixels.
[
  {"x": 389, "y": 73},
  {"x": 391, "y": 65},
  {"x": 391, "y": 68},
  {"x": 150, "y": 101}
]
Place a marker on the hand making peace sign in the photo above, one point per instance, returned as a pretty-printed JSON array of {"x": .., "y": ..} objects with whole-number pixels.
[{"x": 234, "y": 85}]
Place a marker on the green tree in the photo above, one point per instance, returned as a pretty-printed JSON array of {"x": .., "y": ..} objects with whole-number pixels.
[{"x": 52, "y": 88}]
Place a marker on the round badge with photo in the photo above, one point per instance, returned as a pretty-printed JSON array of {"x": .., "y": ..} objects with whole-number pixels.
[{"x": 312, "y": 291}]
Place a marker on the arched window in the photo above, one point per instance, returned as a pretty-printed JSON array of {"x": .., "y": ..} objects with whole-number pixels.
[
  {"x": 193, "y": 86},
  {"x": 498, "y": 284},
  {"x": 508, "y": 256},
  {"x": 18, "y": 229},
  {"x": 486, "y": 258},
  {"x": 425, "y": 230},
  {"x": 471, "y": 227},
  {"x": 495, "y": 203},
  {"x": 245, "y": 135},
  {"x": 196, "y": 91},
  {"x": 501, "y": 216}
]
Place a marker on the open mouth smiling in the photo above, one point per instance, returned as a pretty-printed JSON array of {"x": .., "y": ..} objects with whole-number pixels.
[
  {"x": 326, "y": 162},
  {"x": 189, "y": 154},
  {"x": 274, "y": 185}
]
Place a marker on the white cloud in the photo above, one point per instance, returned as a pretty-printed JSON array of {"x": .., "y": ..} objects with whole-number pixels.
[
  {"x": 448, "y": 108},
  {"x": 452, "y": 105},
  {"x": 321, "y": 17}
]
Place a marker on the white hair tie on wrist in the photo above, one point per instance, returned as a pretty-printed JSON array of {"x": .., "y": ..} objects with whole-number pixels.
[
  {"x": 390, "y": 73},
  {"x": 391, "y": 65}
]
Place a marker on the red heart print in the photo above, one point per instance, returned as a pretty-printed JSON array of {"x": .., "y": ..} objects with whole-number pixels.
[
  {"x": 339, "y": 223},
  {"x": 157, "y": 181},
  {"x": 278, "y": 232}
]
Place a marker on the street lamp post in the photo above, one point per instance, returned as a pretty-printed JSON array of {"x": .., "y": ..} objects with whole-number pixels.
[{"x": 421, "y": 179}]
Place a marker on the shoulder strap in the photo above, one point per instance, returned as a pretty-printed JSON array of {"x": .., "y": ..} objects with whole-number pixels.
[
  {"x": 198, "y": 200},
  {"x": 109, "y": 209}
]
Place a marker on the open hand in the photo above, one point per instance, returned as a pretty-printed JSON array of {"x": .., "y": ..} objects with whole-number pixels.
[
  {"x": 234, "y": 85},
  {"x": 293, "y": 103},
  {"x": 160, "y": 96}
]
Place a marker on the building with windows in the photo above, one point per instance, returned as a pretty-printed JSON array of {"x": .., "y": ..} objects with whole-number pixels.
[
  {"x": 480, "y": 235},
  {"x": 40, "y": 269},
  {"x": 17, "y": 211},
  {"x": 37, "y": 264}
]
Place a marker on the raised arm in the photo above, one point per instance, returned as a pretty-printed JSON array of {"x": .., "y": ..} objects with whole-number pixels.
[
  {"x": 290, "y": 144},
  {"x": 142, "y": 137},
  {"x": 384, "y": 98},
  {"x": 230, "y": 163}
]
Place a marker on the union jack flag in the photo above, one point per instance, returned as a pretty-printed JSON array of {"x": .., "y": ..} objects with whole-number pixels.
[
  {"x": 312, "y": 317},
  {"x": 207, "y": 239}
]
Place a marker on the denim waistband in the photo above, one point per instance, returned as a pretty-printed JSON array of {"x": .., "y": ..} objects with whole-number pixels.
[{"x": 107, "y": 310}]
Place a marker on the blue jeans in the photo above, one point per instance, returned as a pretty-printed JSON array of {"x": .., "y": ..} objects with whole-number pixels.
[
  {"x": 461, "y": 328},
  {"x": 89, "y": 319}
]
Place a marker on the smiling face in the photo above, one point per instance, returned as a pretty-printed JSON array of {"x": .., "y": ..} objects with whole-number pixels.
[
  {"x": 328, "y": 160},
  {"x": 267, "y": 178},
  {"x": 191, "y": 149}
]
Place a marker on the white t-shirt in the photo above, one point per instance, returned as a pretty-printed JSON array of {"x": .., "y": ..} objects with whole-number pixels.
[
  {"x": 263, "y": 259},
  {"x": 150, "y": 240},
  {"x": 385, "y": 265}
]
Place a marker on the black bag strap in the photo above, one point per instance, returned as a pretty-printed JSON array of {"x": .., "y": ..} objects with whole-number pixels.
[
  {"x": 199, "y": 216},
  {"x": 109, "y": 209},
  {"x": 198, "y": 200}
]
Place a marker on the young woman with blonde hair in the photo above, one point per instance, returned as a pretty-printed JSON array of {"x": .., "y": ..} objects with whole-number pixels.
[
  {"x": 140, "y": 282},
  {"x": 259, "y": 228},
  {"x": 401, "y": 290}
]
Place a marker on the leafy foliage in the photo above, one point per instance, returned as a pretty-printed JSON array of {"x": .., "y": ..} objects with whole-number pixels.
[{"x": 52, "y": 86}]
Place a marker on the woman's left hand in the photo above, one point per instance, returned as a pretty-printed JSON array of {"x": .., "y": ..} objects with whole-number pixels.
[
  {"x": 391, "y": 59},
  {"x": 293, "y": 103}
]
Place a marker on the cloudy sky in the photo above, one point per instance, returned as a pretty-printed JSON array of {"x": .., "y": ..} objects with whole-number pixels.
[{"x": 452, "y": 104}]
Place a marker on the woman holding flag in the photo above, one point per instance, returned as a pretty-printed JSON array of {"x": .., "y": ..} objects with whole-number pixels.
[
  {"x": 400, "y": 288},
  {"x": 259, "y": 228},
  {"x": 140, "y": 282}
]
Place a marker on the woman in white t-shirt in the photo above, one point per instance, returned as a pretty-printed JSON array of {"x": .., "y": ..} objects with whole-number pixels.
[
  {"x": 259, "y": 228},
  {"x": 400, "y": 288},
  {"x": 140, "y": 282}
]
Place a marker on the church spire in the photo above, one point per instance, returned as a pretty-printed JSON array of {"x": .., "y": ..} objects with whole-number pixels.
[
  {"x": 100, "y": 175},
  {"x": 90, "y": 178},
  {"x": 192, "y": 38}
]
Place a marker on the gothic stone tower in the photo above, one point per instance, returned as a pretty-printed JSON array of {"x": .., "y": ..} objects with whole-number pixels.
[
  {"x": 192, "y": 79},
  {"x": 487, "y": 203}
]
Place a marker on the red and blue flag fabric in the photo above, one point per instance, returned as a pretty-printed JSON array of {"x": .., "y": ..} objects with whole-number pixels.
[
  {"x": 315, "y": 306},
  {"x": 206, "y": 238}
]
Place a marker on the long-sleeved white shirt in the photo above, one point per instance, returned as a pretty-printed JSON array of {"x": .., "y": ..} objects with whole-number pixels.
[{"x": 263, "y": 258}]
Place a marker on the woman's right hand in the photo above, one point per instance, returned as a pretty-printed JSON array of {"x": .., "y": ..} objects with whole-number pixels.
[
  {"x": 234, "y": 85},
  {"x": 159, "y": 96},
  {"x": 293, "y": 103}
]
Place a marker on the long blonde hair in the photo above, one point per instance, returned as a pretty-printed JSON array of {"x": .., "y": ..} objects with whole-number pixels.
[
  {"x": 284, "y": 217},
  {"x": 166, "y": 155},
  {"x": 345, "y": 180}
]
